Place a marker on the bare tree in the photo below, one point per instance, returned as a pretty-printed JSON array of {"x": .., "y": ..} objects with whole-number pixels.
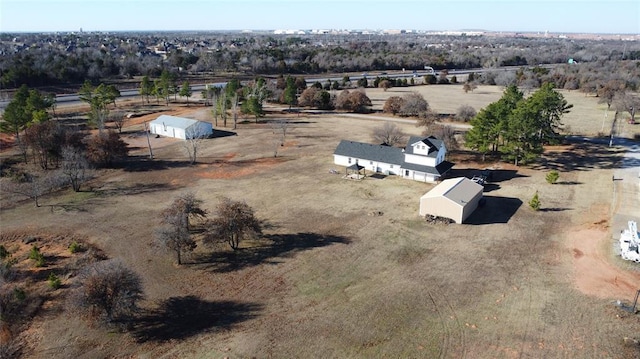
[
  {"x": 393, "y": 105},
  {"x": 627, "y": 102},
  {"x": 195, "y": 135},
  {"x": 108, "y": 291},
  {"x": 215, "y": 108},
  {"x": 447, "y": 135},
  {"x": 234, "y": 109},
  {"x": 75, "y": 166},
  {"x": 105, "y": 148},
  {"x": 469, "y": 86},
  {"x": 234, "y": 221},
  {"x": 414, "y": 104},
  {"x": 465, "y": 113},
  {"x": 175, "y": 234},
  {"x": 389, "y": 134},
  {"x": 427, "y": 119},
  {"x": 119, "y": 118},
  {"x": 33, "y": 185},
  {"x": 385, "y": 85}
]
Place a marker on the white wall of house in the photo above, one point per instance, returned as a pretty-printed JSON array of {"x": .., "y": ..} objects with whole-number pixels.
[
  {"x": 419, "y": 156},
  {"x": 420, "y": 160},
  {"x": 418, "y": 176},
  {"x": 420, "y": 149},
  {"x": 373, "y": 166}
]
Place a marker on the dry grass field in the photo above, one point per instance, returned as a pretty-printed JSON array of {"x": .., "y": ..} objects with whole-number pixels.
[{"x": 348, "y": 268}]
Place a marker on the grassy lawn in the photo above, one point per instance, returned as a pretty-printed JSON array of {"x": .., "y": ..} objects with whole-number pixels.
[{"x": 348, "y": 268}]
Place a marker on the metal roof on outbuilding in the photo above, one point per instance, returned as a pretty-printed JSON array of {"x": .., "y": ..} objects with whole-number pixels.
[
  {"x": 459, "y": 190},
  {"x": 174, "y": 121}
]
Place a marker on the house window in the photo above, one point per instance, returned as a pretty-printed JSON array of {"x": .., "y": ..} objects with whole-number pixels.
[
  {"x": 390, "y": 166},
  {"x": 371, "y": 163},
  {"x": 406, "y": 173},
  {"x": 349, "y": 160}
]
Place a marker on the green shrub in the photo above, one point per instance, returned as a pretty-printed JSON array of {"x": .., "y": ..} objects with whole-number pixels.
[
  {"x": 19, "y": 294},
  {"x": 37, "y": 256},
  {"x": 75, "y": 247},
  {"x": 4, "y": 253},
  {"x": 534, "y": 203},
  {"x": 552, "y": 177},
  {"x": 54, "y": 281}
]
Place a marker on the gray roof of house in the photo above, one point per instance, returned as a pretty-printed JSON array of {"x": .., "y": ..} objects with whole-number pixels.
[
  {"x": 378, "y": 153},
  {"x": 439, "y": 170},
  {"x": 433, "y": 143},
  {"x": 394, "y": 155}
]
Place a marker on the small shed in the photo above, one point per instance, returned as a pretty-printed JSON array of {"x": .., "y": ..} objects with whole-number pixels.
[
  {"x": 454, "y": 198},
  {"x": 180, "y": 127}
]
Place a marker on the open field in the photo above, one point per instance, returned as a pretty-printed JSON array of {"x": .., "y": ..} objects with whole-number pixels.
[{"x": 347, "y": 268}]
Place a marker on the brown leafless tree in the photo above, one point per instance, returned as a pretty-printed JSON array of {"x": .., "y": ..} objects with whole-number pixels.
[
  {"x": 445, "y": 133},
  {"x": 33, "y": 185},
  {"x": 389, "y": 134},
  {"x": 234, "y": 221},
  {"x": 119, "y": 118},
  {"x": 75, "y": 166},
  {"x": 465, "y": 113},
  {"x": 414, "y": 104},
  {"x": 393, "y": 105},
  {"x": 108, "y": 291},
  {"x": 196, "y": 135},
  {"x": 175, "y": 233}
]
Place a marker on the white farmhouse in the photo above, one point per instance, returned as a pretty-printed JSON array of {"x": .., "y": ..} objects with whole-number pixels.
[
  {"x": 180, "y": 127},
  {"x": 423, "y": 159}
]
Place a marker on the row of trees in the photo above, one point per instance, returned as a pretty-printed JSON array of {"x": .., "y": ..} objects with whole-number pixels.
[
  {"x": 63, "y": 58},
  {"x": 58, "y": 155},
  {"x": 517, "y": 127},
  {"x": 233, "y": 222}
]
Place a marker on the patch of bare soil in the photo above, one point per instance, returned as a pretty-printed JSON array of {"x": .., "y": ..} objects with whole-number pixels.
[
  {"x": 594, "y": 274},
  {"x": 233, "y": 169}
]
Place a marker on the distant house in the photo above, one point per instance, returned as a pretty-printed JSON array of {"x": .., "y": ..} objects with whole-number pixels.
[
  {"x": 180, "y": 127},
  {"x": 454, "y": 198},
  {"x": 421, "y": 160}
]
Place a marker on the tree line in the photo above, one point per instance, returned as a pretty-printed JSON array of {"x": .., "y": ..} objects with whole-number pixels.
[{"x": 100, "y": 57}]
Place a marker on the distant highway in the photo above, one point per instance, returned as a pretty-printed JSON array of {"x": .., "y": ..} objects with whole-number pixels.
[{"x": 74, "y": 99}]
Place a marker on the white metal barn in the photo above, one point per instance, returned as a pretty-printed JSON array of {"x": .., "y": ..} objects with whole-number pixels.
[
  {"x": 454, "y": 198},
  {"x": 180, "y": 127}
]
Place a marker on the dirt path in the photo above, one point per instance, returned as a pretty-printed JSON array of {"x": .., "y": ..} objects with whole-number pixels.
[
  {"x": 595, "y": 272},
  {"x": 595, "y": 275}
]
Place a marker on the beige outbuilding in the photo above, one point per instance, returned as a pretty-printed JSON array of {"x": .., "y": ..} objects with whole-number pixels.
[{"x": 454, "y": 198}]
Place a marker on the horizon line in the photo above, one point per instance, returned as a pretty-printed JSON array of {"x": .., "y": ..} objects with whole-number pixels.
[{"x": 321, "y": 29}]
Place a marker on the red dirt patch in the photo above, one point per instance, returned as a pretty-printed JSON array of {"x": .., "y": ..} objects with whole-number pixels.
[
  {"x": 232, "y": 169},
  {"x": 593, "y": 274}
]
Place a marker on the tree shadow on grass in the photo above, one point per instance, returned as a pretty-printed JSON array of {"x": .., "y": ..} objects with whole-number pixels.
[
  {"x": 555, "y": 209},
  {"x": 494, "y": 210},
  {"x": 582, "y": 156},
  {"x": 144, "y": 164},
  {"x": 135, "y": 188},
  {"x": 222, "y": 133},
  {"x": 281, "y": 246},
  {"x": 182, "y": 317}
]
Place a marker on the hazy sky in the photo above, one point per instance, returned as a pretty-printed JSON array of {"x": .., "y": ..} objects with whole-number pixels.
[{"x": 603, "y": 16}]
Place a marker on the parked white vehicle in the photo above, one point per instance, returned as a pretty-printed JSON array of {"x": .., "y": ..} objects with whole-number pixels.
[{"x": 630, "y": 243}]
